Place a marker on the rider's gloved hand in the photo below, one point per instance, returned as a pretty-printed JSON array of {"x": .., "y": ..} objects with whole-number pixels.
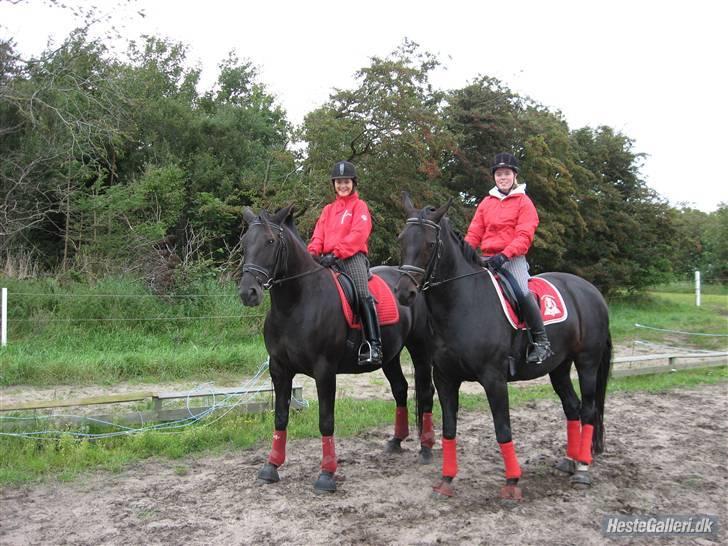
[
  {"x": 497, "y": 261},
  {"x": 327, "y": 260}
]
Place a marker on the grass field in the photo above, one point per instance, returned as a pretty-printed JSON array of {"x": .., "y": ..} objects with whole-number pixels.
[{"x": 116, "y": 331}]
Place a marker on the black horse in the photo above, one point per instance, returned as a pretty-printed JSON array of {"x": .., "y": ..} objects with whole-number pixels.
[
  {"x": 475, "y": 342},
  {"x": 305, "y": 332}
]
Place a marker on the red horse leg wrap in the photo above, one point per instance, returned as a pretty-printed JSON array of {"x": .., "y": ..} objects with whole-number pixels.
[
  {"x": 278, "y": 453},
  {"x": 328, "y": 461},
  {"x": 508, "y": 451},
  {"x": 573, "y": 438},
  {"x": 449, "y": 458},
  {"x": 401, "y": 425},
  {"x": 585, "y": 451},
  {"x": 427, "y": 438}
]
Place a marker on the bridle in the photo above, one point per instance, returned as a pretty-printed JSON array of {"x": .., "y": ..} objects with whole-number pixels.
[
  {"x": 268, "y": 279},
  {"x": 428, "y": 274}
]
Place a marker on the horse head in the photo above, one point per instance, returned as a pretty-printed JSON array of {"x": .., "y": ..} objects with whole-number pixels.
[
  {"x": 264, "y": 253},
  {"x": 419, "y": 245}
]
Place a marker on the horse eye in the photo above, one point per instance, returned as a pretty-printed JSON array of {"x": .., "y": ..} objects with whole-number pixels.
[
  {"x": 431, "y": 244},
  {"x": 271, "y": 241}
]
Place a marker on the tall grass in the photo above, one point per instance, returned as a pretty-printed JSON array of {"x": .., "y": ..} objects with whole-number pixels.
[
  {"x": 674, "y": 312},
  {"x": 116, "y": 330}
]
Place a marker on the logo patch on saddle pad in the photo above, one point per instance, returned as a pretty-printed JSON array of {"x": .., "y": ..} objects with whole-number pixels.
[
  {"x": 551, "y": 303},
  {"x": 387, "y": 309}
]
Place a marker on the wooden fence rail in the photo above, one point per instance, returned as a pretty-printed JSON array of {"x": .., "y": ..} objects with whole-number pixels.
[
  {"x": 157, "y": 413},
  {"x": 623, "y": 365}
]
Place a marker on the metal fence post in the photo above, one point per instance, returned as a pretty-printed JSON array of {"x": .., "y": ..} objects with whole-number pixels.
[
  {"x": 697, "y": 288},
  {"x": 4, "y": 318}
]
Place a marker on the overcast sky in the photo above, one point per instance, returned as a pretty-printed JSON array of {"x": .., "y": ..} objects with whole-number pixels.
[{"x": 653, "y": 70}]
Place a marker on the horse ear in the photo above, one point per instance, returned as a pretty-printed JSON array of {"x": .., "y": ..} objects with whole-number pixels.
[
  {"x": 439, "y": 213},
  {"x": 407, "y": 203},
  {"x": 248, "y": 215},
  {"x": 283, "y": 214}
]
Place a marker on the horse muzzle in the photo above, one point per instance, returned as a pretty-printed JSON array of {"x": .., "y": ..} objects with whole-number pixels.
[
  {"x": 250, "y": 291},
  {"x": 405, "y": 290}
]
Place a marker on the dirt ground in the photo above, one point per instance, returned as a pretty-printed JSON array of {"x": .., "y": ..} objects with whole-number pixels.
[{"x": 666, "y": 454}]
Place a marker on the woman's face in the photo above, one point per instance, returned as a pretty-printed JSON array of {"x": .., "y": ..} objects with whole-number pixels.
[
  {"x": 343, "y": 186},
  {"x": 504, "y": 179}
]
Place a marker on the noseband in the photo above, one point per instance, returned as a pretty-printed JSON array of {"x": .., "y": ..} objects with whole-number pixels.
[{"x": 427, "y": 273}]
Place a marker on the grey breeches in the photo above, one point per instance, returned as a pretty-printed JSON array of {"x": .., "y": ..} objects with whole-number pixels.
[
  {"x": 518, "y": 268},
  {"x": 357, "y": 267}
]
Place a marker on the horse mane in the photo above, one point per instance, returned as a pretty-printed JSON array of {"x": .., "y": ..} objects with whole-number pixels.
[{"x": 469, "y": 253}]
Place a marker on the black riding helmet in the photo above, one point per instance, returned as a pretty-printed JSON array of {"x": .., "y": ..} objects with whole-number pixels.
[
  {"x": 504, "y": 160},
  {"x": 343, "y": 169}
]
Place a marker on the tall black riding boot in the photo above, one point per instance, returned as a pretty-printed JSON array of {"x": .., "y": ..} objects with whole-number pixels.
[
  {"x": 370, "y": 351},
  {"x": 540, "y": 349}
]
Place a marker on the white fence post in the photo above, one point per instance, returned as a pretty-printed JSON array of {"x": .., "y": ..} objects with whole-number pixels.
[
  {"x": 4, "y": 318},
  {"x": 697, "y": 288}
]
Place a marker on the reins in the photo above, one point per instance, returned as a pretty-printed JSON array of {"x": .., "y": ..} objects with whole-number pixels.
[
  {"x": 429, "y": 272},
  {"x": 270, "y": 279}
]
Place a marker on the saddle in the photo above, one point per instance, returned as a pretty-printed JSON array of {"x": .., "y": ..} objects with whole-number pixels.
[
  {"x": 387, "y": 309},
  {"x": 551, "y": 302}
]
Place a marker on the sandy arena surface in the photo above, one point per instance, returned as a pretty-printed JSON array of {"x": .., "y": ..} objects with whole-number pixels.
[{"x": 666, "y": 454}]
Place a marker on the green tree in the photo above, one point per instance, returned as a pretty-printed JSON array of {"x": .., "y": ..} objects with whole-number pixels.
[
  {"x": 390, "y": 126},
  {"x": 627, "y": 241}
]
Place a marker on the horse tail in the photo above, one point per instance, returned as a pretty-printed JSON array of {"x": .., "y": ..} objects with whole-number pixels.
[{"x": 601, "y": 393}]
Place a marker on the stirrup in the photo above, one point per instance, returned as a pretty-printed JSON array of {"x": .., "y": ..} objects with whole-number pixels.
[
  {"x": 364, "y": 357},
  {"x": 534, "y": 348}
]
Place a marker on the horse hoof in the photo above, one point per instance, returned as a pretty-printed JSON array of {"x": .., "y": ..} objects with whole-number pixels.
[
  {"x": 511, "y": 492},
  {"x": 443, "y": 489},
  {"x": 581, "y": 479},
  {"x": 425, "y": 456},
  {"x": 565, "y": 466},
  {"x": 394, "y": 446},
  {"x": 268, "y": 474},
  {"x": 326, "y": 483}
]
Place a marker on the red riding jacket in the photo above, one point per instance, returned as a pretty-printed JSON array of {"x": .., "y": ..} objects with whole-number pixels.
[
  {"x": 504, "y": 224},
  {"x": 343, "y": 228}
]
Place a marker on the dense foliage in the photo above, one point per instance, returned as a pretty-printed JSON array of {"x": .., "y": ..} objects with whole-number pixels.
[{"x": 114, "y": 164}]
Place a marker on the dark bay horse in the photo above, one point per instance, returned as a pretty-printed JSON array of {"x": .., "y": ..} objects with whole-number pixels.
[
  {"x": 305, "y": 332},
  {"x": 475, "y": 342}
]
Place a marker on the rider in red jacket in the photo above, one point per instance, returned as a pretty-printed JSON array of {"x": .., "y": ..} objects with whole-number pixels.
[
  {"x": 503, "y": 228},
  {"x": 340, "y": 238}
]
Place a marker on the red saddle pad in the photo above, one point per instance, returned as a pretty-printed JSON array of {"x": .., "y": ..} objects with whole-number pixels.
[
  {"x": 553, "y": 308},
  {"x": 387, "y": 309}
]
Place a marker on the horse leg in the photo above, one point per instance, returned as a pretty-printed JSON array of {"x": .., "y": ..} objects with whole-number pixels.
[
  {"x": 424, "y": 393},
  {"x": 398, "y": 383},
  {"x": 587, "y": 367},
  {"x": 326, "y": 389},
  {"x": 282, "y": 384},
  {"x": 448, "y": 390},
  {"x": 496, "y": 389},
  {"x": 561, "y": 382}
]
